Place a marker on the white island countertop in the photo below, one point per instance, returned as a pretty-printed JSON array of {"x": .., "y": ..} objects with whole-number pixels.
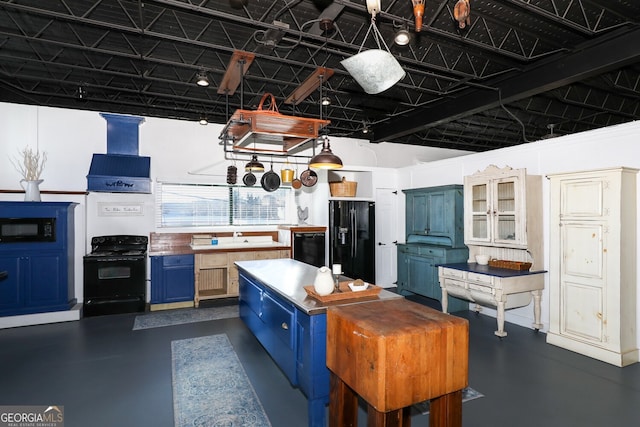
[{"x": 287, "y": 278}]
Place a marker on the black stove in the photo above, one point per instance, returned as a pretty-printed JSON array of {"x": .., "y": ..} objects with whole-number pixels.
[
  {"x": 118, "y": 246},
  {"x": 115, "y": 275}
]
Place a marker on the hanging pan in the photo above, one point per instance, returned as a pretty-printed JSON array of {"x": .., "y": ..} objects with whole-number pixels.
[
  {"x": 249, "y": 179},
  {"x": 270, "y": 180},
  {"x": 309, "y": 177}
]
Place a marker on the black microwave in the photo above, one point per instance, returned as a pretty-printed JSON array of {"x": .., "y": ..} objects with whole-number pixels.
[{"x": 15, "y": 230}]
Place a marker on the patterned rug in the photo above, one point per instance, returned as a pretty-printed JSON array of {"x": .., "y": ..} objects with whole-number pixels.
[
  {"x": 467, "y": 395},
  {"x": 159, "y": 319},
  {"x": 210, "y": 386}
]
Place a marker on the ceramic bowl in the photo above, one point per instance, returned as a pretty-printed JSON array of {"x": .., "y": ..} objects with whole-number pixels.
[{"x": 482, "y": 259}]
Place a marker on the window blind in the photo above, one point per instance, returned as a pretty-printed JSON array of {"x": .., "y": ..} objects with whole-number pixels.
[{"x": 206, "y": 205}]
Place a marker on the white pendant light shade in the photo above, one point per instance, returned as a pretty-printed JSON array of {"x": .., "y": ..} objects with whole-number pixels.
[{"x": 376, "y": 70}]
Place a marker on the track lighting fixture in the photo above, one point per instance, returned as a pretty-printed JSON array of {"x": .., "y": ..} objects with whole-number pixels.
[
  {"x": 402, "y": 37},
  {"x": 202, "y": 80}
]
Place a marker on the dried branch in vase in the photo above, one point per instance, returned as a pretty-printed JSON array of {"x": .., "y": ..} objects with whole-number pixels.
[{"x": 31, "y": 164}]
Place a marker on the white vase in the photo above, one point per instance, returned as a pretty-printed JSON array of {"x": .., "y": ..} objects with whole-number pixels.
[
  {"x": 31, "y": 190},
  {"x": 323, "y": 284}
]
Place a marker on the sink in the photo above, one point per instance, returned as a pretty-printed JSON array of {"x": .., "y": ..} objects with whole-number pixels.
[{"x": 239, "y": 242}]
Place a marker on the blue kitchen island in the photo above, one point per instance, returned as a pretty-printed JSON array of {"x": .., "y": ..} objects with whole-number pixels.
[{"x": 290, "y": 325}]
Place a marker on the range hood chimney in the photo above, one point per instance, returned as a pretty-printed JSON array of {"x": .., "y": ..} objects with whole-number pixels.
[{"x": 121, "y": 170}]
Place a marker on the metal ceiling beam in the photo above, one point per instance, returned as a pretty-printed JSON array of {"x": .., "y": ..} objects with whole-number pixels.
[{"x": 620, "y": 50}]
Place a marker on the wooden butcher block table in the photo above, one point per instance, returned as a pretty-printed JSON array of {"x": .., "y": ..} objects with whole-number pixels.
[{"x": 394, "y": 354}]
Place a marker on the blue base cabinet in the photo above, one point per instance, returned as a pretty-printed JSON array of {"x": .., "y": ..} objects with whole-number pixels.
[
  {"x": 172, "y": 279},
  {"x": 418, "y": 271},
  {"x": 38, "y": 276},
  {"x": 295, "y": 340}
]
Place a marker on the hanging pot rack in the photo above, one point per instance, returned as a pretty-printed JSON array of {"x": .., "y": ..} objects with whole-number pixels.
[
  {"x": 267, "y": 125},
  {"x": 284, "y": 135}
]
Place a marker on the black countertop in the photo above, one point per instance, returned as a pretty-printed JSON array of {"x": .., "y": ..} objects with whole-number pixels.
[{"x": 491, "y": 271}]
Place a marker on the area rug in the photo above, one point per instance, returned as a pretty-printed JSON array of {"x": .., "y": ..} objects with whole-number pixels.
[
  {"x": 210, "y": 386},
  {"x": 186, "y": 315},
  {"x": 467, "y": 395}
]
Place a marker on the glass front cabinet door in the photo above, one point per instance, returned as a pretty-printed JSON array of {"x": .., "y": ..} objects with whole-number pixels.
[{"x": 496, "y": 207}]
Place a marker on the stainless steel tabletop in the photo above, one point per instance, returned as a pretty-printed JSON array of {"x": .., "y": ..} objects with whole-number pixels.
[{"x": 287, "y": 277}]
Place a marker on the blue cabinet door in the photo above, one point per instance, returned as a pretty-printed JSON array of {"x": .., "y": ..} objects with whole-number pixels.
[
  {"x": 402, "y": 281},
  {"x": 46, "y": 281},
  {"x": 416, "y": 213},
  {"x": 10, "y": 286},
  {"x": 172, "y": 279}
]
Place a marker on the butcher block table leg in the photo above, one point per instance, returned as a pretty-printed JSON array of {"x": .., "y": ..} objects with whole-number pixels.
[
  {"x": 394, "y": 354},
  {"x": 344, "y": 411}
]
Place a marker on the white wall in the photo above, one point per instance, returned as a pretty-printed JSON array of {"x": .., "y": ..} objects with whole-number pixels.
[{"x": 597, "y": 149}]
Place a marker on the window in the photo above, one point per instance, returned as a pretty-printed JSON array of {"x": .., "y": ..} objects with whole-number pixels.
[{"x": 207, "y": 205}]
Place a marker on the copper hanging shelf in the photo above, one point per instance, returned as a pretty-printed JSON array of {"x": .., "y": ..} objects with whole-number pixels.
[{"x": 246, "y": 128}]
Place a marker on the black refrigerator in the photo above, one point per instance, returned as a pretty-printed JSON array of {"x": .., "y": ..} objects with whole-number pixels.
[{"x": 352, "y": 238}]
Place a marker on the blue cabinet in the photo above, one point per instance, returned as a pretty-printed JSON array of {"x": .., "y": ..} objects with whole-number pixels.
[
  {"x": 435, "y": 235},
  {"x": 39, "y": 274},
  {"x": 295, "y": 340},
  {"x": 172, "y": 279},
  {"x": 435, "y": 215},
  {"x": 418, "y": 271}
]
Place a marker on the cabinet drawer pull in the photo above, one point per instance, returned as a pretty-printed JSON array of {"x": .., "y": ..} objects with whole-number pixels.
[{"x": 284, "y": 326}]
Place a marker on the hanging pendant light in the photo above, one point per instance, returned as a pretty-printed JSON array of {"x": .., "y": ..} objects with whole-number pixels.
[
  {"x": 375, "y": 70},
  {"x": 325, "y": 159},
  {"x": 254, "y": 165}
]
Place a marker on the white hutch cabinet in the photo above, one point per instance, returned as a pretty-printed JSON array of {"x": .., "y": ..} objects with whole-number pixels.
[
  {"x": 593, "y": 264},
  {"x": 496, "y": 207},
  {"x": 502, "y": 219}
]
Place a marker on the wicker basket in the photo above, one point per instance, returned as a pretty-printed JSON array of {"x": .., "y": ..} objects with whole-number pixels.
[
  {"x": 511, "y": 265},
  {"x": 343, "y": 188}
]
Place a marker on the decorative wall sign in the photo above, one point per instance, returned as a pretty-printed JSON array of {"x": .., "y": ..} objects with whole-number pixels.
[{"x": 120, "y": 209}]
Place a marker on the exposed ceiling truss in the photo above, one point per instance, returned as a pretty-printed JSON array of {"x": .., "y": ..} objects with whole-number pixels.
[{"x": 521, "y": 71}]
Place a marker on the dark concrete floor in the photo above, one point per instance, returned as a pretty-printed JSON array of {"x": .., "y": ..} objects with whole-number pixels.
[{"x": 106, "y": 374}]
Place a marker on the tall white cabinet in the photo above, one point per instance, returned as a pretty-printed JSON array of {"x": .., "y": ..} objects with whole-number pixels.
[{"x": 593, "y": 264}]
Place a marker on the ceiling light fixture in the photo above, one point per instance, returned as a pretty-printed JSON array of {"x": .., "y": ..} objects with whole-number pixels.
[
  {"x": 325, "y": 101},
  {"x": 402, "y": 37},
  {"x": 254, "y": 165},
  {"x": 202, "y": 79},
  {"x": 203, "y": 121},
  {"x": 365, "y": 127},
  {"x": 325, "y": 159},
  {"x": 82, "y": 93}
]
